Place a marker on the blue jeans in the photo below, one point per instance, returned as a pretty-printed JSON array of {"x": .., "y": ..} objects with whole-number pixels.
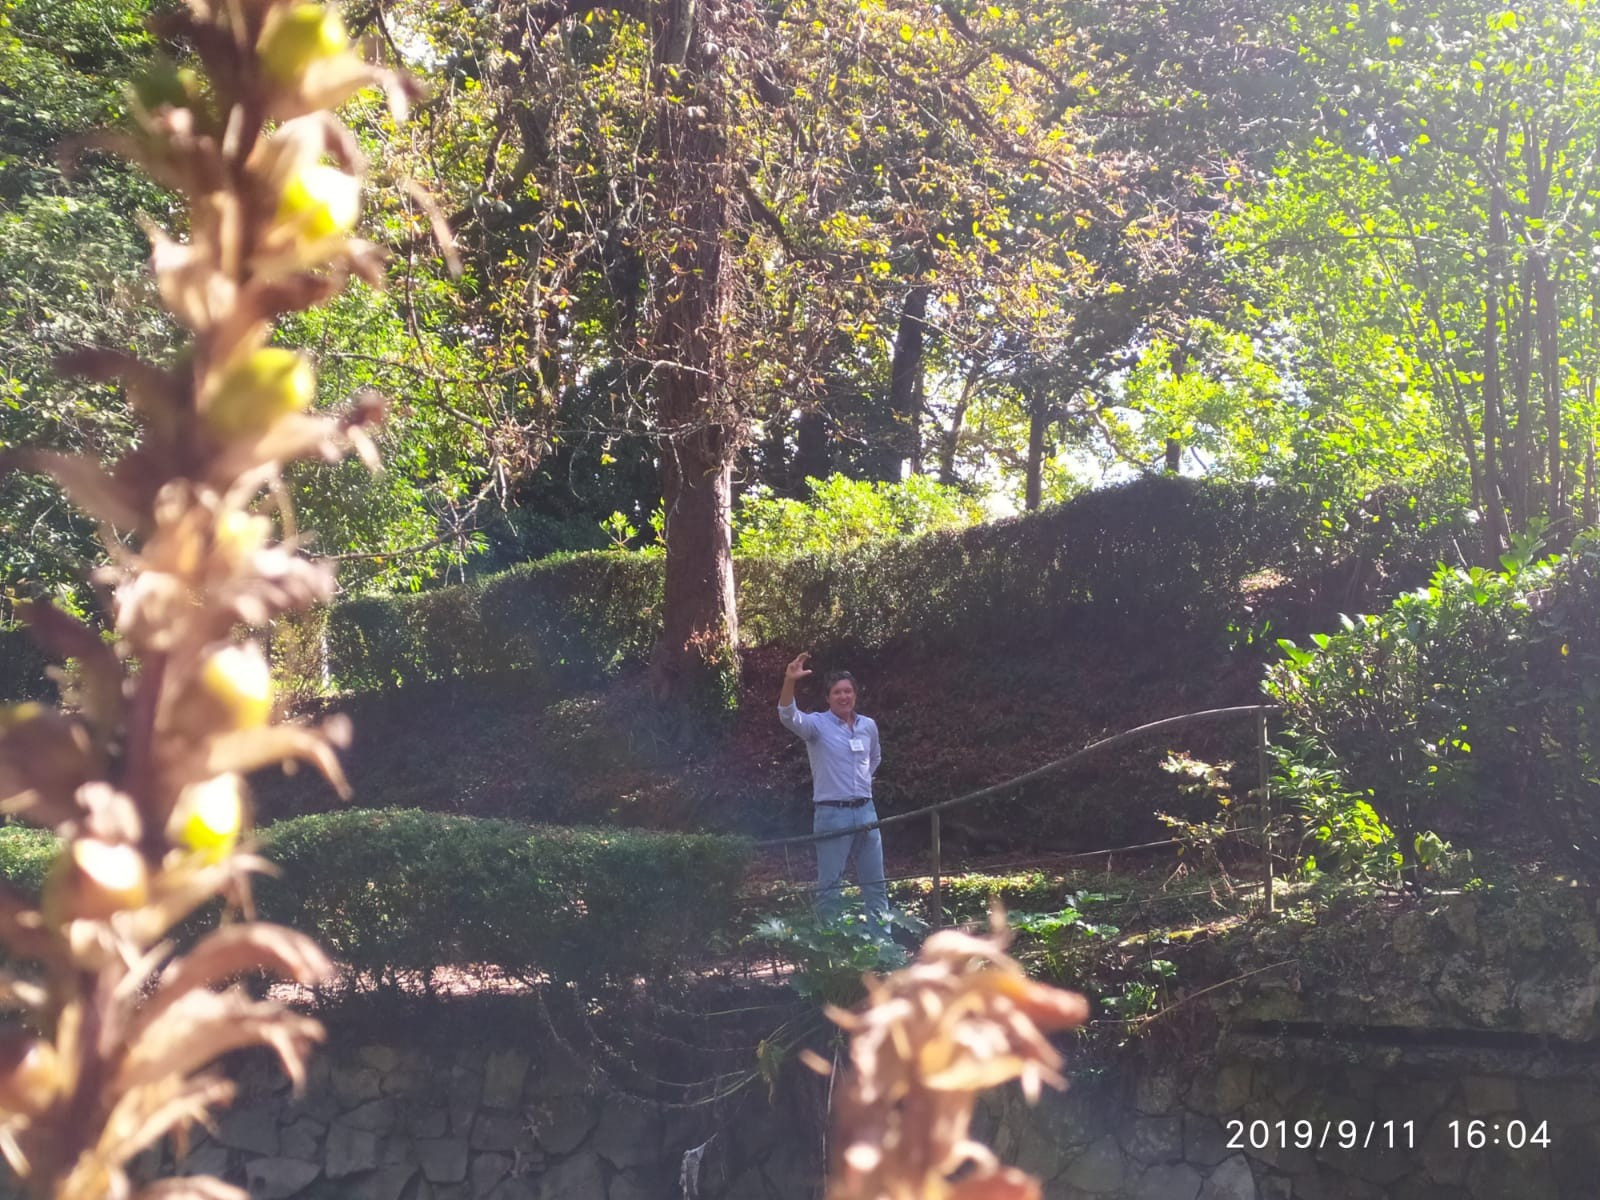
[{"x": 835, "y": 854}]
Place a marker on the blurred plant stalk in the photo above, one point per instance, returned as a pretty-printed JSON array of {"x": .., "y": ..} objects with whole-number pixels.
[
  {"x": 928, "y": 1040},
  {"x": 116, "y": 1036}
]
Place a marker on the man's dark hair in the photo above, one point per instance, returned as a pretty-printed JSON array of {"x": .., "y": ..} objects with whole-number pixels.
[{"x": 834, "y": 677}]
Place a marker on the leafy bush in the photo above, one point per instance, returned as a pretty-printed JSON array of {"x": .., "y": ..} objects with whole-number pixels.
[
  {"x": 1552, "y": 700},
  {"x": 574, "y": 618},
  {"x": 844, "y": 513},
  {"x": 1163, "y": 549},
  {"x": 832, "y": 951},
  {"x": 391, "y": 641},
  {"x": 578, "y": 616},
  {"x": 25, "y": 856},
  {"x": 407, "y": 891},
  {"x": 1475, "y": 696},
  {"x": 403, "y": 890}
]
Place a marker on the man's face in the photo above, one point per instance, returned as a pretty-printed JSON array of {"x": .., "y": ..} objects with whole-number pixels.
[{"x": 842, "y": 699}]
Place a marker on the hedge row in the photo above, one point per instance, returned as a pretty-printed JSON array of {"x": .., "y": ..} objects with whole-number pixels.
[
  {"x": 1163, "y": 548},
  {"x": 403, "y": 890}
]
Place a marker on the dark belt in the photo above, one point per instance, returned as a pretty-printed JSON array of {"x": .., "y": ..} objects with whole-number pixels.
[{"x": 857, "y": 803}]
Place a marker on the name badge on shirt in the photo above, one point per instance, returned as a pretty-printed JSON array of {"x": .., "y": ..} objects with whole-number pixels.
[{"x": 858, "y": 743}]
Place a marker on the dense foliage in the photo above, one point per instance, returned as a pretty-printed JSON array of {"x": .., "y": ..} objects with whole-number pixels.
[
  {"x": 842, "y": 513},
  {"x": 1164, "y": 549},
  {"x": 1470, "y": 708},
  {"x": 399, "y": 893},
  {"x": 1014, "y": 247}
]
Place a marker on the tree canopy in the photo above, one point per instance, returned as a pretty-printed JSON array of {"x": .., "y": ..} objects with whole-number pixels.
[{"x": 711, "y": 249}]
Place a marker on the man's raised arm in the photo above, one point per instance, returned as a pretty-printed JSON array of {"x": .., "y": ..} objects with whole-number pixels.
[{"x": 793, "y": 719}]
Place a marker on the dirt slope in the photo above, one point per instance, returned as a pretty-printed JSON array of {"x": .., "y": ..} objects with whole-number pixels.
[{"x": 952, "y": 721}]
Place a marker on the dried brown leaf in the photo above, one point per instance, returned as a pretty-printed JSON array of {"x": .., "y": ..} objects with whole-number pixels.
[
  {"x": 200, "y": 1026},
  {"x": 1008, "y": 1183},
  {"x": 233, "y": 950},
  {"x": 250, "y": 751},
  {"x": 144, "y": 1115}
]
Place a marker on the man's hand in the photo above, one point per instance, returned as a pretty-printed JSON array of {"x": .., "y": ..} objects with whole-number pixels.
[{"x": 793, "y": 672}]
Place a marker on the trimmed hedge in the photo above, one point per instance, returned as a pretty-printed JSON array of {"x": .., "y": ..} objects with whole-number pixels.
[
  {"x": 410, "y": 891},
  {"x": 1161, "y": 548},
  {"x": 1164, "y": 550},
  {"x": 405, "y": 890},
  {"x": 572, "y": 617}
]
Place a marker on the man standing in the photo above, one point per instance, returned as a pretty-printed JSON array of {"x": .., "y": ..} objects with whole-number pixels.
[{"x": 844, "y": 752}]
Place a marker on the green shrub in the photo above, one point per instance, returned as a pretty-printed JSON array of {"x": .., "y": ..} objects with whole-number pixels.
[
  {"x": 25, "y": 856},
  {"x": 579, "y": 617},
  {"x": 843, "y": 513},
  {"x": 409, "y": 891},
  {"x": 831, "y": 952},
  {"x": 1551, "y": 708},
  {"x": 1162, "y": 549},
  {"x": 391, "y": 641},
  {"x": 1476, "y": 690},
  {"x": 404, "y": 890}
]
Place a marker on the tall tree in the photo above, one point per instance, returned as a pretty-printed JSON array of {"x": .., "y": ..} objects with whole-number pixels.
[
  {"x": 699, "y": 429},
  {"x": 1446, "y": 201}
]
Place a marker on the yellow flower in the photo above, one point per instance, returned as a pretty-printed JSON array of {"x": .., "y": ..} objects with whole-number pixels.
[
  {"x": 241, "y": 534},
  {"x": 260, "y": 391},
  {"x": 233, "y": 691},
  {"x": 298, "y": 37},
  {"x": 320, "y": 201},
  {"x": 209, "y": 817}
]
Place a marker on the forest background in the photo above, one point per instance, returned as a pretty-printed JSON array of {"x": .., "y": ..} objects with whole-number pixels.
[{"x": 779, "y": 275}]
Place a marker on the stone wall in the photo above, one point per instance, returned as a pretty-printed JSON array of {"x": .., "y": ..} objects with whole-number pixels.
[
  {"x": 489, "y": 1121},
  {"x": 1213, "y": 1133},
  {"x": 474, "y": 1122},
  {"x": 1395, "y": 1029}
]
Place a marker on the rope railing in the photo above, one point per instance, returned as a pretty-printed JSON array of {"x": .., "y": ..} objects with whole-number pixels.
[{"x": 934, "y": 811}]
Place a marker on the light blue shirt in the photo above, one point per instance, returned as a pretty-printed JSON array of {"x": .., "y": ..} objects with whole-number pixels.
[{"x": 843, "y": 759}]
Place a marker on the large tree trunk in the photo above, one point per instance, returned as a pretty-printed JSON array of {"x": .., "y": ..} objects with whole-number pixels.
[
  {"x": 1038, "y": 424},
  {"x": 951, "y": 441},
  {"x": 811, "y": 457},
  {"x": 905, "y": 381},
  {"x": 696, "y": 656}
]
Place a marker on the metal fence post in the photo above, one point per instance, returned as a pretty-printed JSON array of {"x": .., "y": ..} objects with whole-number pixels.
[
  {"x": 936, "y": 909},
  {"x": 1266, "y": 811}
]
